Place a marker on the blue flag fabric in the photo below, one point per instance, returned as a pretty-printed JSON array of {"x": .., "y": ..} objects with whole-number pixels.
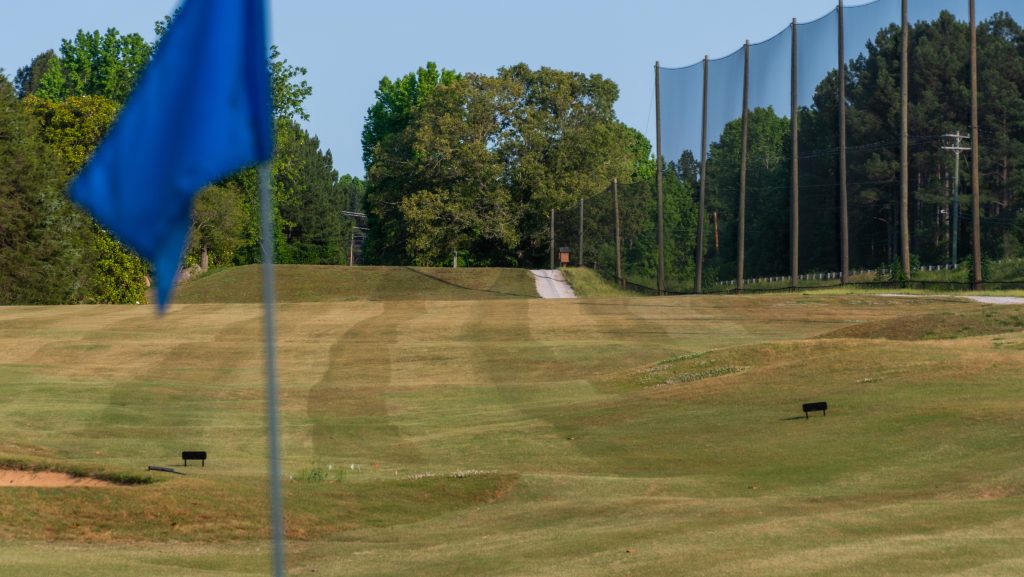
[{"x": 200, "y": 112}]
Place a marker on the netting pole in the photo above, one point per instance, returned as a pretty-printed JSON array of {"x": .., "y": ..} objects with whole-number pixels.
[
  {"x": 661, "y": 198},
  {"x": 741, "y": 235},
  {"x": 975, "y": 157},
  {"x": 618, "y": 235},
  {"x": 581, "y": 231},
  {"x": 844, "y": 220},
  {"x": 552, "y": 249},
  {"x": 698, "y": 280},
  {"x": 905, "y": 144},
  {"x": 794, "y": 227}
]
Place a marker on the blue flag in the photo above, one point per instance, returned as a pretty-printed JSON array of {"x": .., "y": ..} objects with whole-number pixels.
[{"x": 200, "y": 112}]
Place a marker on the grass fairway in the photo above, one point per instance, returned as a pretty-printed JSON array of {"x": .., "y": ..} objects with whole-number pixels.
[{"x": 507, "y": 437}]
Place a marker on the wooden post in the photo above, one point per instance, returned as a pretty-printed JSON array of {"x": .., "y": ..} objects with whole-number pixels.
[
  {"x": 661, "y": 163},
  {"x": 581, "y": 233},
  {"x": 618, "y": 237},
  {"x": 794, "y": 227},
  {"x": 552, "y": 249},
  {"x": 352, "y": 247},
  {"x": 975, "y": 158},
  {"x": 905, "y": 144},
  {"x": 844, "y": 220},
  {"x": 741, "y": 235},
  {"x": 699, "y": 277}
]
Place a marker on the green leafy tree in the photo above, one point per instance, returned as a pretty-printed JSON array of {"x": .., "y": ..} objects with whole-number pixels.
[
  {"x": 41, "y": 235},
  {"x": 388, "y": 141},
  {"x": 73, "y": 128},
  {"x": 29, "y": 78},
  {"x": 117, "y": 274},
  {"x": 479, "y": 161},
  {"x": 96, "y": 64},
  {"x": 462, "y": 197},
  {"x": 289, "y": 90},
  {"x": 218, "y": 218}
]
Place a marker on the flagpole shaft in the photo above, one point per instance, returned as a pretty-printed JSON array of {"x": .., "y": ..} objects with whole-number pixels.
[{"x": 273, "y": 434}]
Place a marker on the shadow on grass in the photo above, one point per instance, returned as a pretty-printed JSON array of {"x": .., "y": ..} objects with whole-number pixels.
[{"x": 468, "y": 288}]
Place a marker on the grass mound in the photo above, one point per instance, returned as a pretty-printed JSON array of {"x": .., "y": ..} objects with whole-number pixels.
[
  {"x": 311, "y": 283},
  {"x": 587, "y": 283},
  {"x": 988, "y": 320}
]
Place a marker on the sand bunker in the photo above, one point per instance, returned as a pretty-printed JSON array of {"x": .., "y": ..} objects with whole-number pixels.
[{"x": 47, "y": 479}]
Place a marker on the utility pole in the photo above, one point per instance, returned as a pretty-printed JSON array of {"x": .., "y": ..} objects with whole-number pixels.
[
  {"x": 352, "y": 247},
  {"x": 618, "y": 235},
  {"x": 552, "y": 249},
  {"x": 975, "y": 158},
  {"x": 904, "y": 144},
  {"x": 581, "y": 231},
  {"x": 954, "y": 217}
]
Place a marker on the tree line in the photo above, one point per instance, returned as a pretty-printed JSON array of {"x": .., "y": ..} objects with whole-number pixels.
[{"x": 55, "y": 113}]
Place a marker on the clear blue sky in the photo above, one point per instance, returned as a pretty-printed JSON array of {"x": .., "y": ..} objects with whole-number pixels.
[{"x": 347, "y": 46}]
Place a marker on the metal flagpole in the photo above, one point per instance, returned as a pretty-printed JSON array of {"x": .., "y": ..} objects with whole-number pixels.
[{"x": 273, "y": 434}]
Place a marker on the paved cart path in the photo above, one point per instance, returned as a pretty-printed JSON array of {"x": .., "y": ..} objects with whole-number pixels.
[
  {"x": 551, "y": 284},
  {"x": 990, "y": 300}
]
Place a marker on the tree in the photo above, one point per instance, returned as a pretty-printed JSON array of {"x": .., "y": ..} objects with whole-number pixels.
[
  {"x": 767, "y": 218},
  {"x": 29, "y": 78},
  {"x": 94, "y": 64},
  {"x": 41, "y": 236},
  {"x": 315, "y": 231},
  {"x": 387, "y": 151},
  {"x": 479, "y": 161},
  {"x": 461, "y": 197},
  {"x": 288, "y": 90},
  {"x": 73, "y": 128},
  {"x": 217, "y": 222}
]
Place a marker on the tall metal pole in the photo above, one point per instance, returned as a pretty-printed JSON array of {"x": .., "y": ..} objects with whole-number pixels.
[
  {"x": 794, "y": 228},
  {"x": 661, "y": 198},
  {"x": 742, "y": 233},
  {"x": 975, "y": 157},
  {"x": 273, "y": 429},
  {"x": 844, "y": 222},
  {"x": 905, "y": 144},
  {"x": 618, "y": 236},
  {"x": 552, "y": 248},
  {"x": 699, "y": 277},
  {"x": 581, "y": 232}
]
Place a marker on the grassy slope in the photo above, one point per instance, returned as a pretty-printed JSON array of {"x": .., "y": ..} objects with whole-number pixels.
[
  {"x": 309, "y": 283},
  {"x": 587, "y": 283},
  {"x": 481, "y": 438}
]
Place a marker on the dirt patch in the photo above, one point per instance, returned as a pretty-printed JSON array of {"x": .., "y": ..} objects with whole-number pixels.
[{"x": 47, "y": 479}]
